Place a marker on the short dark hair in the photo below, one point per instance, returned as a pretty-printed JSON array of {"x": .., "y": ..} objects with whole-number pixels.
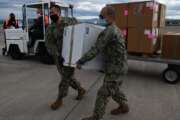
[
  {"x": 12, "y": 15},
  {"x": 55, "y": 6}
]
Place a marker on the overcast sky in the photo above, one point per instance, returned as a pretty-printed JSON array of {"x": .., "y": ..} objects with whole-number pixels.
[{"x": 84, "y": 8}]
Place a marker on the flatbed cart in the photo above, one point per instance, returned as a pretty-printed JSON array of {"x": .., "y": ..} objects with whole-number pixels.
[{"x": 171, "y": 74}]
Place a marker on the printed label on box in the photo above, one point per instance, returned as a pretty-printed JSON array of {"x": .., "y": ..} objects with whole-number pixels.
[
  {"x": 150, "y": 36},
  {"x": 125, "y": 32},
  {"x": 147, "y": 32},
  {"x": 125, "y": 12},
  {"x": 154, "y": 34}
]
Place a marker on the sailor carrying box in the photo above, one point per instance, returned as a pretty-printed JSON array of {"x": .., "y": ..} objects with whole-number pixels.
[{"x": 78, "y": 40}]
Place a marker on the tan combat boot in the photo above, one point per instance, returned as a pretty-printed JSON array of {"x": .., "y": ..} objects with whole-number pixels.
[
  {"x": 81, "y": 94},
  {"x": 91, "y": 118},
  {"x": 56, "y": 105},
  {"x": 124, "y": 108}
]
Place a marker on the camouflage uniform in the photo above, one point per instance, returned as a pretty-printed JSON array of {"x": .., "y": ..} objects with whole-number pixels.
[
  {"x": 54, "y": 39},
  {"x": 112, "y": 46}
]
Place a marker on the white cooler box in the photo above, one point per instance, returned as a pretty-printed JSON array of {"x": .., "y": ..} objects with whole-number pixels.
[{"x": 78, "y": 40}]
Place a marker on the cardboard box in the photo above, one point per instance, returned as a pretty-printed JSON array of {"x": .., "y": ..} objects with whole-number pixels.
[
  {"x": 78, "y": 40},
  {"x": 170, "y": 47},
  {"x": 162, "y": 15},
  {"x": 142, "y": 40},
  {"x": 124, "y": 33},
  {"x": 143, "y": 14},
  {"x": 134, "y": 40},
  {"x": 121, "y": 14}
]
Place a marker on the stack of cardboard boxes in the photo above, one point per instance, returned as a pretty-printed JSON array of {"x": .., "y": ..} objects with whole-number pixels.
[
  {"x": 142, "y": 25},
  {"x": 122, "y": 17}
]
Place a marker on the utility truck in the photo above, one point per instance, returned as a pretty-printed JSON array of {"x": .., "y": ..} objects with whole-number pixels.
[{"x": 16, "y": 40}]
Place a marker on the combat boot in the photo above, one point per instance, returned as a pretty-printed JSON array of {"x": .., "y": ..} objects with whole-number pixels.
[
  {"x": 91, "y": 118},
  {"x": 81, "y": 94},
  {"x": 56, "y": 105},
  {"x": 124, "y": 108}
]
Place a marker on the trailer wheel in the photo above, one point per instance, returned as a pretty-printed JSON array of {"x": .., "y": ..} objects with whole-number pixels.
[{"x": 171, "y": 75}]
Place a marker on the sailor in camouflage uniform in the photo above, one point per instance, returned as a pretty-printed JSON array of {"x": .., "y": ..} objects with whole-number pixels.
[
  {"x": 54, "y": 39},
  {"x": 112, "y": 46}
]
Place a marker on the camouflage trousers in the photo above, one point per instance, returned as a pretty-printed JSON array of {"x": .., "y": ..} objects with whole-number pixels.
[
  {"x": 110, "y": 88},
  {"x": 67, "y": 79}
]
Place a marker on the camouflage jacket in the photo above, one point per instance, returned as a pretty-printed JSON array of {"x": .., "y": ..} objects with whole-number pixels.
[
  {"x": 54, "y": 35},
  {"x": 112, "y": 46}
]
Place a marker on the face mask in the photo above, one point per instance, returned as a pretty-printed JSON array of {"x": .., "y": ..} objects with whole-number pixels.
[
  {"x": 54, "y": 18},
  {"x": 103, "y": 22},
  {"x": 13, "y": 18}
]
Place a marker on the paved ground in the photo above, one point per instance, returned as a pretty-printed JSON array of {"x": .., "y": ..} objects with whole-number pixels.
[{"x": 27, "y": 87}]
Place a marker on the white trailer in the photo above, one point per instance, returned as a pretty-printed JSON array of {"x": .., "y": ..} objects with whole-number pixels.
[{"x": 171, "y": 74}]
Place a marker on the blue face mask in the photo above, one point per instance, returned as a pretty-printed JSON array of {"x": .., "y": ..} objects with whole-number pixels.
[{"x": 103, "y": 22}]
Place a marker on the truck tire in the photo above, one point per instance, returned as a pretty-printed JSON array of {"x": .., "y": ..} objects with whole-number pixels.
[{"x": 171, "y": 75}]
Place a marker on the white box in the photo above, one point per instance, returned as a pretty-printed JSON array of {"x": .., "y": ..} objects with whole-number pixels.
[{"x": 77, "y": 41}]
